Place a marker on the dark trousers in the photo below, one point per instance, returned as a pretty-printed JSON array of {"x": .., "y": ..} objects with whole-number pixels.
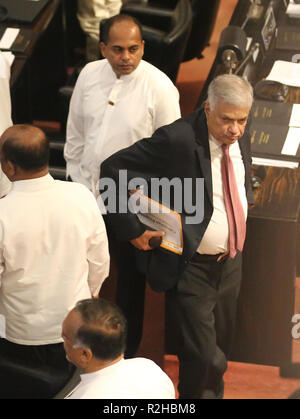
[
  {"x": 201, "y": 310},
  {"x": 130, "y": 289},
  {"x": 32, "y": 372},
  {"x": 130, "y": 295}
]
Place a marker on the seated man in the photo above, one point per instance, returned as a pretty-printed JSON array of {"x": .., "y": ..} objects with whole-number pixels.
[
  {"x": 94, "y": 334},
  {"x": 53, "y": 253}
]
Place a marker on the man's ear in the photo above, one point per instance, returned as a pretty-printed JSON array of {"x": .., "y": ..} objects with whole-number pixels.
[
  {"x": 102, "y": 49},
  {"x": 10, "y": 169},
  {"x": 143, "y": 47},
  {"x": 86, "y": 356},
  {"x": 207, "y": 108}
]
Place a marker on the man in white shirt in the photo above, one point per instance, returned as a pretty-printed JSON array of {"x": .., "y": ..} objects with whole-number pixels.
[
  {"x": 94, "y": 334},
  {"x": 53, "y": 253},
  {"x": 116, "y": 102}
]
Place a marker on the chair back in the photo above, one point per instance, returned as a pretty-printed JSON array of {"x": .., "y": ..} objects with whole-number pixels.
[
  {"x": 204, "y": 17},
  {"x": 166, "y": 32}
]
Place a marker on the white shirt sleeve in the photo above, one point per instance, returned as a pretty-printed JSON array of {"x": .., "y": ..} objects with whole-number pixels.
[
  {"x": 98, "y": 255},
  {"x": 75, "y": 131},
  {"x": 166, "y": 109}
]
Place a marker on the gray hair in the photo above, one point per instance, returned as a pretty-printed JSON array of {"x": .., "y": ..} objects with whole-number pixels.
[
  {"x": 230, "y": 89},
  {"x": 104, "y": 328}
]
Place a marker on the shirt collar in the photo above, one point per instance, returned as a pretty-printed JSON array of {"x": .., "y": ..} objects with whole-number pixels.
[
  {"x": 90, "y": 376},
  {"x": 214, "y": 144},
  {"x": 128, "y": 77},
  {"x": 31, "y": 185}
]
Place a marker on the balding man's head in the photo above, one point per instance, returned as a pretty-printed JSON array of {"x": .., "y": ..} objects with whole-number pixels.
[{"x": 25, "y": 148}]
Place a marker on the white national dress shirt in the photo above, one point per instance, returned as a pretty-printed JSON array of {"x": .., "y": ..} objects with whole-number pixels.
[
  {"x": 53, "y": 252},
  {"x": 135, "y": 378},
  {"x": 108, "y": 114},
  {"x": 215, "y": 239}
]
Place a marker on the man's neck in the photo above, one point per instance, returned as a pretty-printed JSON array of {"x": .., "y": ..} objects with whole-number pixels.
[
  {"x": 98, "y": 364},
  {"x": 25, "y": 175}
]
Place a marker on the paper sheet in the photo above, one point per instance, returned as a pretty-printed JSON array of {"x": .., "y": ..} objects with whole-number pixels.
[
  {"x": 292, "y": 142},
  {"x": 295, "y": 116},
  {"x": 293, "y": 9},
  {"x": 285, "y": 72},
  {"x": 9, "y": 38},
  {"x": 158, "y": 217},
  {"x": 259, "y": 161}
]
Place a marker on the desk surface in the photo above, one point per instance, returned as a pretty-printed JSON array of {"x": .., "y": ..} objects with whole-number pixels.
[{"x": 38, "y": 27}]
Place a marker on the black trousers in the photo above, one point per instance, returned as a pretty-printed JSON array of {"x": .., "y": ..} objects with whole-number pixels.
[
  {"x": 130, "y": 289},
  {"x": 32, "y": 372},
  {"x": 201, "y": 310}
]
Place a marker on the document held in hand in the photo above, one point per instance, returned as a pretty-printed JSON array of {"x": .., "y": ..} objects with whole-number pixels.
[{"x": 158, "y": 217}]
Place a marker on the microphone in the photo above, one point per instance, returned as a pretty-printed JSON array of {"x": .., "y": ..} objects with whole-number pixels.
[
  {"x": 232, "y": 47},
  {"x": 250, "y": 54}
]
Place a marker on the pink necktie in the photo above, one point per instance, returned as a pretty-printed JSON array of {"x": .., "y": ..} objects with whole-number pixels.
[{"x": 234, "y": 209}]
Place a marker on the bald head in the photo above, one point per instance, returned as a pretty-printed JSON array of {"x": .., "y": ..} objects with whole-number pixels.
[{"x": 26, "y": 148}]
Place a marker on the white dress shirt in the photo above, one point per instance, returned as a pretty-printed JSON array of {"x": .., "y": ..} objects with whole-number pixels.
[
  {"x": 136, "y": 378},
  {"x": 215, "y": 239},
  {"x": 5, "y": 113},
  {"x": 53, "y": 252},
  {"x": 108, "y": 114}
]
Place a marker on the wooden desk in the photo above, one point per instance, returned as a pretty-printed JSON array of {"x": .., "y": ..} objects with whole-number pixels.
[
  {"x": 271, "y": 254},
  {"x": 37, "y": 73}
]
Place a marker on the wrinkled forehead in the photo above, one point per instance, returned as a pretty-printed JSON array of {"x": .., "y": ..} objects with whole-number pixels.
[{"x": 231, "y": 111}]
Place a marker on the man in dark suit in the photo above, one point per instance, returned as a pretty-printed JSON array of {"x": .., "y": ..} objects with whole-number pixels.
[{"x": 202, "y": 284}]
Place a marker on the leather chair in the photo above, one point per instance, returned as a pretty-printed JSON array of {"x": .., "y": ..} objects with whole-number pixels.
[
  {"x": 166, "y": 32},
  {"x": 35, "y": 383},
  {"x": 204, "y": 17},
  {"x": 158, "y": 12}
]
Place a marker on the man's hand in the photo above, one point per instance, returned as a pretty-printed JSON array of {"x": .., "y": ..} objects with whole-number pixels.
[{"x": 142, "y": 242}]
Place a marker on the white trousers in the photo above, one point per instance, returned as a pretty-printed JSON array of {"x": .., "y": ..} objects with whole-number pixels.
[{"x": 90, "y": 13}]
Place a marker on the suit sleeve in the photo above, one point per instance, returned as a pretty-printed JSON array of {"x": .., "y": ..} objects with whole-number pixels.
[{"x": 145, "y": 159}]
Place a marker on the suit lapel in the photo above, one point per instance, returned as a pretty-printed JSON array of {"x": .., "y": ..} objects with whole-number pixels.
[
  {"x": 203, "y": 154},
  {"x": 245, "y": 157}
]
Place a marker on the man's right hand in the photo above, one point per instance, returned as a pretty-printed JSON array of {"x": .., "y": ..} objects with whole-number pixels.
[{"x": 142, "y": 242}]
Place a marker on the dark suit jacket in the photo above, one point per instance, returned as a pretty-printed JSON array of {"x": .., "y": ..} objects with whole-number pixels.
[{"x": 179, "y": 150}]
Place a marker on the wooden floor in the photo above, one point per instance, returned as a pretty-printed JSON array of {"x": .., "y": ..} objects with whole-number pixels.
[{"x": 242, "y": 381}]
